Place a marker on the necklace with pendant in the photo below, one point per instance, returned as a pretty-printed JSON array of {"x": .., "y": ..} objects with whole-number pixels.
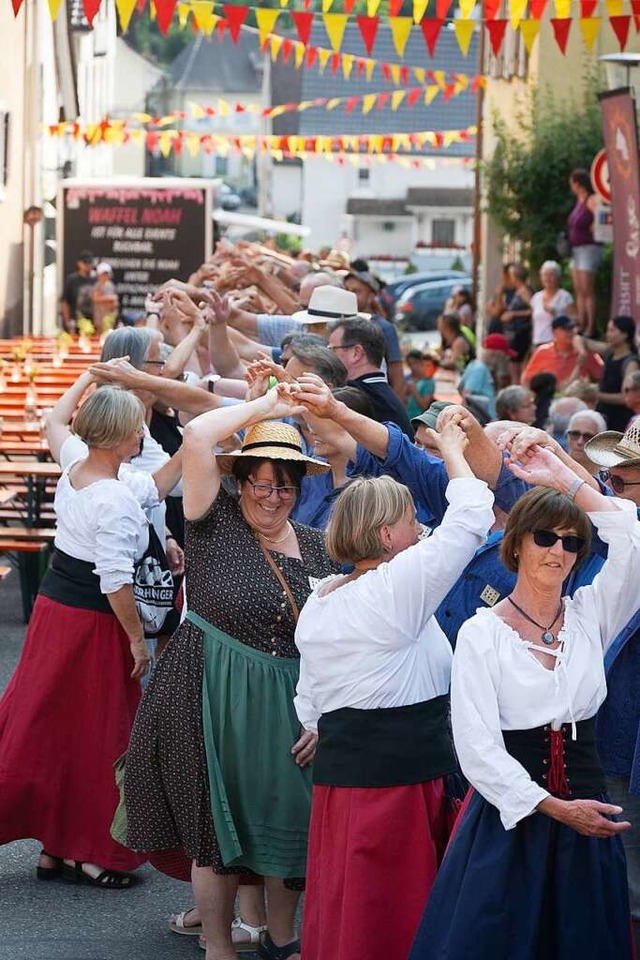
[{"x": 547, "y": 637}]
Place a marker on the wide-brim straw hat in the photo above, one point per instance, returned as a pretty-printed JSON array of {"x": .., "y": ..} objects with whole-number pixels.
[
  {"x": 615, "y": 449},
  {"x": 271, "y": 440}
]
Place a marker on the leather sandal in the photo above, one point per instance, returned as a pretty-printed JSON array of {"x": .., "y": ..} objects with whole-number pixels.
[
  {"x": 269, "y": 951},
  {"x": 177, "y": 924},
  {"x": 107, "y": 880},
  {"x": 49, "y": 873},
  {"x": 241, "y": 946}
]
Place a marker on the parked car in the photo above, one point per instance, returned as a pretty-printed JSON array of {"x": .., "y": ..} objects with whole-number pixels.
[
  {"x": 227, "y": 198},
  {"x": 249, "y": 196},
  {"x": 395, "y": 288},
  {"x": 419, "y": 307}
]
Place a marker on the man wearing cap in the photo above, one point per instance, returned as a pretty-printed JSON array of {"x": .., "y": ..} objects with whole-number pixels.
[
  {"x": 76, "y": 298},
  {"x": 561, "y": 357},
  {"x": 359, "y": 343},
  {"x": 366, "y": 289}
]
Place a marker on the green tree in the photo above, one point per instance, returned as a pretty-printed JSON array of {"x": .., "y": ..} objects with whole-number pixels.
[{"x": 527, "y": 177}]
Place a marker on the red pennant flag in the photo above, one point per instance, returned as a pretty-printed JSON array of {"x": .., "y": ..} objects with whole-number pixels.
[
  {"x": 448, "y": 92},
  {"x": 620, "y": 26},
  {"x": 222, "y": 27},
  {"x": 561, "y": 27},
  {"x": 368, "y": 27},
  {"x": 431, "y": 31},
  {"x": 635, "y": 8},
  {"x": 496, "y": 30},
  {"x": 491, "y": 8},
  {"x": 636, "y": 20},
  {"x": 152, "y": 139},
  {"x": 140, "y": 6},
  {"x": 287, "y": 48},
  {"x": 235, "y": 16},
  {"x": 164, "y": 14},
  {"x": 405, "y": 77},
  {"x": 414, "y": 96},
  {"x": 16, "y": 4},
  {"x": 395, "y": 6},
  {"x": 311, "y": 56},
  {"x": 382, "y": 99},
  {"x": 335, "y": 62},
  {"x": 351, "y": 104},
  {"x": 360, "y": 67},
  {"x": 442, "y": 9},
  {"x": 537, "y": 9},
  {"x": 303, "y": 23},
  {"x": 91, "y": 7},
  {"x": 177, "y": 144},
  {"x": 386, "y": 71},
  {"x": 349, "y": 5},
  {"x": 587, "y": 7}
]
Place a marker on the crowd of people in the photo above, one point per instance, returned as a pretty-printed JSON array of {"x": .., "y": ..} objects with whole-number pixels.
[{"x": 402, "y": 669}]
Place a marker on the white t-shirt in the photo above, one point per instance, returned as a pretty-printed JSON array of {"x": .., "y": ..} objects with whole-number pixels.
[
  {"x": 541, "y": 318},
  {"x": 497, "y": 683},
  {"x": 105, "y": 523},
  {"x": 374, "y": 642}
]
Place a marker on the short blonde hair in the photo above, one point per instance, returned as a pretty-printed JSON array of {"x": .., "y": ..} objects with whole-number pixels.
[
  {"x": 108, "y": 417},
  {"x": 365, "y": 505}
]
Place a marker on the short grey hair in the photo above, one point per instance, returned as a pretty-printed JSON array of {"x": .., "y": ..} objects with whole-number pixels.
[
  {"x": 596, "y": 419},
  {"x": 320, "y": 360},
  {"x": 561, "y": 411},
  {"x": 132, "y": 342},
  {"x": 551, "y": 266},
  {"x": 509, "y": 399}
]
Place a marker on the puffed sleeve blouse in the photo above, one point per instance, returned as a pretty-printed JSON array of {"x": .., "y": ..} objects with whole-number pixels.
[
  {"x": 497, "y": 684},
  {"x": 105, "y": 524}
]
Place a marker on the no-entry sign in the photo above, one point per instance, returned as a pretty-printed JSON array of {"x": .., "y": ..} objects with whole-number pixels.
[{"x": 600, "y": 176}]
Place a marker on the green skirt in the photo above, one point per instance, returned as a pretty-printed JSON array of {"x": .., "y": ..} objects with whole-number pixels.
[{"x": 260, "y": 798}]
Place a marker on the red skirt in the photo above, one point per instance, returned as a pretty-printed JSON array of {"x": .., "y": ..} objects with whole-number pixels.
[
  {"x": 65, "y": 718},
  {"x": 373, "y": 857}
]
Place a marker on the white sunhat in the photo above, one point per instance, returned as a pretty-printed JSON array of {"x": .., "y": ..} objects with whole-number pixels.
[
  {"x": 104, "y": 268},
  {"x": 330, "y": 303}
]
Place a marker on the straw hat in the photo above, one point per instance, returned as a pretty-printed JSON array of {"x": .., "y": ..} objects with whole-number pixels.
[
  {"x": 615, "y": 449},
  {"x": 272, "y": 440},
  {"x": 337, "y": 260},
  {"x": 329, "y": 303}
]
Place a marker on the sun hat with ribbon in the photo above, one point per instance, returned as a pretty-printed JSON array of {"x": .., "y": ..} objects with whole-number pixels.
[
  {"x": 615, "y": 449},
  {"x": 271, "y": 440},
  {"x": 330, "y": 303}
]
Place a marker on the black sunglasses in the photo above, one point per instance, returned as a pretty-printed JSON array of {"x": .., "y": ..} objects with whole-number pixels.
[
  {"x": 578, "y": 435},
  {"x": 547, "y": 538},
  {"x": 616, "y": 483}
]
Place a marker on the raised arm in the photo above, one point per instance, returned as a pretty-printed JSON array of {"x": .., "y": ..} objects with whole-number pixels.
[
  {"x": 483, "y": 455},
  {"x": 58, "y": 421},
  {"x": 317, "y": 398},
  {"x": 201, "y": 475},
  {"x": 172, "y": 393},
  {"x": 222, "y": 349},
  {"x": 181, "y": 303}
]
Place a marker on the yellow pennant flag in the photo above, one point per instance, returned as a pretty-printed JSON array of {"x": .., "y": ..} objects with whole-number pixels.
[
  {"x": 369, "y": 102},
  {"x": 440, "y": 78},
  {"x": 304, "y": 105},
  {"x": 369, "y": 67},
  {"x": 266, "y": 18},
  {"x": 372, "y": 7},
  {"x": 192, "y": 141},
  {"x": 464, "y": 31},
  {"x": 450, "y": 136},
  {"x": 431, "y": 93},
  {"x": 323, "y": 144},
  {"x": 211, "y": 23},
  {"x": 347, "y": 64},
  {"x": 590, "y": 28},
  {"x": 395, "y": 74},
  {"x": 397, "y": 97},
  {"x": 278, "y": 155},
  {"x": 165, "y": 142},
  {"x": 152, "y": 10},
  {"x": 299, "y": 51},
  {"x": 202, "y": 11},
  {"x": 350, "y": 143},
  {"x": 183, "y": 14},
  {"x": 142, "y": 117},
  {"x": 466, "y": 8},
  {"x": 54, "y": 8},
  {"x": 562, "y": 8},
  {"x": 517, "y": 9},
  {"x": 375, "y": 143},
  {"x": 165, "y": 121},
  {"x": 275, "y": 43},
  {"x": 461, "y": 84},
  {"x": 529, "y": 30},
  {"x": 419, "y": 9},
  {"x": 125, "y": 9},
  {"x": 400, "y": 31},
  {"x": 326, "y": 5},
  {"x": 323, "y": 58},
  {"x": 615, "y": 8},
  {"x": 420, "y": 74},
  {"x": 224, "y": 109},
  {"x": 335, "y": 24},
  {"x": 284, "y": 3},
  {"x": 333, "y": 103}
]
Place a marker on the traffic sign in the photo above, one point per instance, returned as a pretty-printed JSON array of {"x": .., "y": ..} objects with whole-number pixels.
[{"x": 600, "y": 176}]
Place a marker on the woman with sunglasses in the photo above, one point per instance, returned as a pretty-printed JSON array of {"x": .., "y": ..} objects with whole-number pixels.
[{"x": 536, "y": 867}]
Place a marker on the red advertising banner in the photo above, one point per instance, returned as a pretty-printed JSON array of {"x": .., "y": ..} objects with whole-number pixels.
[{"x": 621, "y": 143}]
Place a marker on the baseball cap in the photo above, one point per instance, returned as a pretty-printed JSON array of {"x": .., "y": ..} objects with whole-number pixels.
[
  {"x": 430, "y": 416},
  {"x": 563, "y": 323},
  {"x": 498, "y": 342},
  {"x": 86, "y": 256},
  {"x": 104, "y": 267}
]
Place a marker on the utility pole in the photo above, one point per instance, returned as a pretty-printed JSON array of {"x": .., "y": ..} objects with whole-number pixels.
[{"x": 477, "y": 185}]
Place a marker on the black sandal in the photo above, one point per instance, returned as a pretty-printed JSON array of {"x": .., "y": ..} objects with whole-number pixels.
[
  {"x": 269, "y": 951},
  {"x": 107, "y": 880},
  {"x": 49, "y": 873}
]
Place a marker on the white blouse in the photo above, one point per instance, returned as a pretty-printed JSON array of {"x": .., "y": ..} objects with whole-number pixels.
[
  {"x": 374, "y": 642},
  {"x": 498, "y": 684},
  {"x": 105, "y": 524},
  {"x": 542, "y": 319}
]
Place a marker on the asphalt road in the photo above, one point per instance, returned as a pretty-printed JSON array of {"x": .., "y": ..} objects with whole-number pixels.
[{"x": 60, "y": 921}]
